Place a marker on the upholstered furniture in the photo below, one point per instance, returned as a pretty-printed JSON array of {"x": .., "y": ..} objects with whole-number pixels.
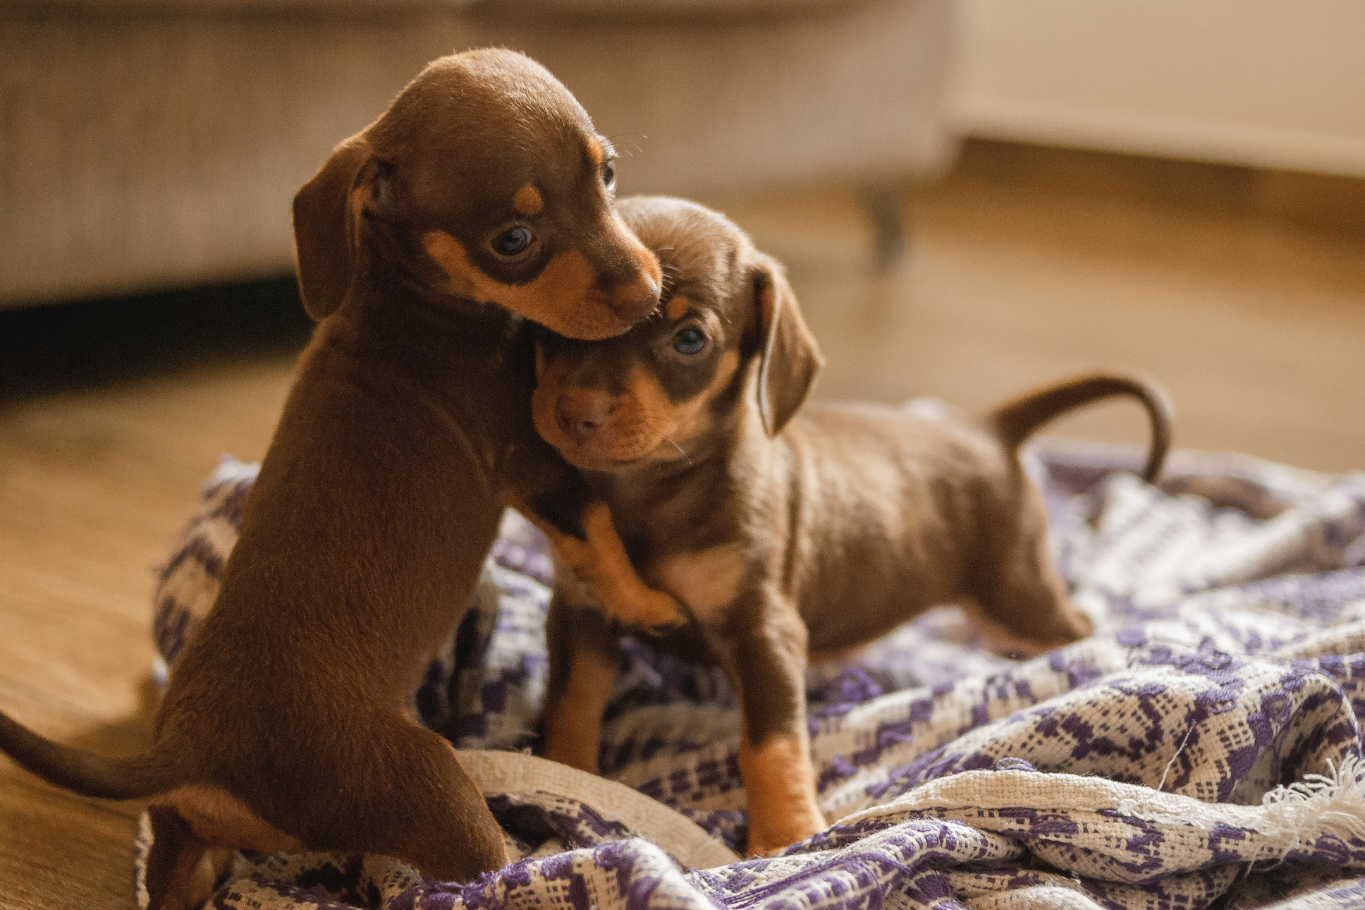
[{"x": 157, "y": 143}]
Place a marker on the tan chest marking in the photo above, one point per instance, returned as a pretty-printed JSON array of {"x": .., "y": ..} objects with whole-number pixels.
[
  {"x": 707, "y": 581},
  {"x": 221, "y": 819}
]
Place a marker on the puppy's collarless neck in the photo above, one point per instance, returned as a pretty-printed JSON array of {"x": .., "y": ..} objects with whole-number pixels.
[
  {"x": 655, "y": 481},
  {"x": 422, "y": 318}
]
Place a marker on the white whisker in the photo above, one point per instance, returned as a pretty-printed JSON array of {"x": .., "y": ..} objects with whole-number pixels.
[{"x": 680, "y": 449}]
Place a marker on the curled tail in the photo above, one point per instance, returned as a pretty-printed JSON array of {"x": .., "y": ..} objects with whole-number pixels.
[
  {"x": 1016, "y": 420},
  {"x": 84, "y": 772}
]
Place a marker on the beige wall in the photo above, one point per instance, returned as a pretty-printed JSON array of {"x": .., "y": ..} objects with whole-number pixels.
[{"x": 1270, "y": 83}]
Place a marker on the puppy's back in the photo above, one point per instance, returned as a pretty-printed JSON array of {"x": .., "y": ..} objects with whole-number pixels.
[{"x": 891, "y": 506}]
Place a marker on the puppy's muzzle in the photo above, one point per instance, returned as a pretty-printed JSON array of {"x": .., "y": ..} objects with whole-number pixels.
[
  {"x": 582, "y": 414},
  {"x": 634, "y": 301},
  {"x": 631, "y": 277}
]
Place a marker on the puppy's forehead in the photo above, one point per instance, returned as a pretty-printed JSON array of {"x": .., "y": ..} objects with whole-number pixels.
[
  {"x": 701, "y": 250},
  {"x": 503, "y": 84},
  {"x": 484, "y": 110},
  {"x": 474, "y": 129}
]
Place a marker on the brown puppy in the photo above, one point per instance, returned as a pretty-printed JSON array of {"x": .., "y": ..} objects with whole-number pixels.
[
  {"x": 783, "y": 534},
  {"x": 482, "y": 196}
]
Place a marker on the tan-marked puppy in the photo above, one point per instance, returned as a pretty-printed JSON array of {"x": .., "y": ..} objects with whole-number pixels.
[
  {"x": 784, "y": 534},
  {"x": 481, "y": 199}
]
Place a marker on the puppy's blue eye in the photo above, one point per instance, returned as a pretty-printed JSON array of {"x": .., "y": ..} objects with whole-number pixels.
[
  {"x": 512, "y": 241},
  {"x": 609, "y": 175},
  {"x": 689, "y": 341}
]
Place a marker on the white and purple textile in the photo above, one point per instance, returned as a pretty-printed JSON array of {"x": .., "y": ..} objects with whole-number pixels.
[{"x": 1202, "y": 749}]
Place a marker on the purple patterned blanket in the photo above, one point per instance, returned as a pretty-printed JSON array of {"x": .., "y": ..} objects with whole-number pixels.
[{"x": 1202, "y": 749}]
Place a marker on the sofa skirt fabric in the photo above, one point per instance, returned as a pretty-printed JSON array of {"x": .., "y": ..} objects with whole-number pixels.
[{"x": 153, "y": 144}]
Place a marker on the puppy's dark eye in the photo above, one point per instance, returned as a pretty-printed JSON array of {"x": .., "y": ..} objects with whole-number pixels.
[
  {"x": 513, "y": 241},
  {"x": 689, "y": 341},
  {"x": 609, "y": 175}
]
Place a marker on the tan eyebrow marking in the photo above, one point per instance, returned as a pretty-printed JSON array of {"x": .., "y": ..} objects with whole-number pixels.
[
  {"x": 528, "y": 201},
  {"x": 597, "y": 152},
  {"x": 677, "y": 308}
]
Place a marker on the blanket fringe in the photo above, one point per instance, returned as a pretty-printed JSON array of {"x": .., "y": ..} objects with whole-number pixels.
[
  {"x": 1288, "y": 817},
  {"x": 1331, "y": 803}
]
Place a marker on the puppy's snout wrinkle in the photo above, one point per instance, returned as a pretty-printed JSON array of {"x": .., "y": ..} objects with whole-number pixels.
[{"x": 582, "y": 413}]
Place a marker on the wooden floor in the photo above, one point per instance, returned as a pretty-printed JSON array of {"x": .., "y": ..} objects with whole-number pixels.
[{"x": 1244, "y": 293}]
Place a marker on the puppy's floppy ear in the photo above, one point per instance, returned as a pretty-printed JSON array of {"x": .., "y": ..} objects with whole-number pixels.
[
  {"x": 790, "y": 357},
  {"x": 324, "y": 228}
]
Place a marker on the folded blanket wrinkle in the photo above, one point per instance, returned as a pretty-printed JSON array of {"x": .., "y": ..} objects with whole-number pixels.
[
  {"x": 1203, "y": 747},
  {"x": 1061, "y": 808}
]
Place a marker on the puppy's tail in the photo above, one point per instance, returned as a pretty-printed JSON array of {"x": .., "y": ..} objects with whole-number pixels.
[
  {"x": 84, "y": 772},
  {"x": 1016, "y": 420}
]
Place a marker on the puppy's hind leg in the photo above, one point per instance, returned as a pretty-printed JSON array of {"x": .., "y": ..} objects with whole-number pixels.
[
  {"x": 1020, "y": 600},
  {"x": 434, "y": 818},
  {"x": 182, "y": 870}
]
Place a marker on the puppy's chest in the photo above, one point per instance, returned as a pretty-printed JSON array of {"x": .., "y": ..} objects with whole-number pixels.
[
  {"x": 707, "y": 581},
  {"x": 689, "y": 550}
]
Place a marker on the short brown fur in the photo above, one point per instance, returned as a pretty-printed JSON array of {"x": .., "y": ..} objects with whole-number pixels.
[
  {"x": 288, "y": 721},
  {"x": 784, "y": 534}
]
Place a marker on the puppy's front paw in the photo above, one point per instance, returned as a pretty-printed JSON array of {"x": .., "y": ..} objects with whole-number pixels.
[
  {"x": 770, "y": 840},
  {"x": 646, "y": 609},
  {"x": 779, "y": 782}
]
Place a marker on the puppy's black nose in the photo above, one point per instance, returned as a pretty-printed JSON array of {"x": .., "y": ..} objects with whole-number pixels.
[{"x": 582, "y": 413}]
